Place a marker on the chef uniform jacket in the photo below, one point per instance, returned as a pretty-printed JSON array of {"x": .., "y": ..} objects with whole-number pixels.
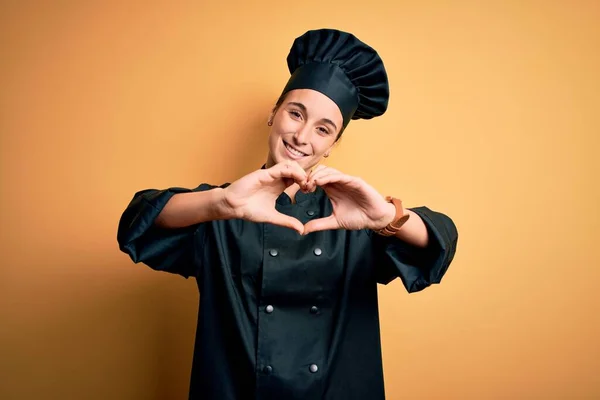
[{"x": 285, "y": 316}]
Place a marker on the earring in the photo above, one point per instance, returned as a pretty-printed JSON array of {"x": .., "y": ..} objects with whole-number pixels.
[
  {"x": 326, "y": 155},
  {"x": 270, "y": 123}
]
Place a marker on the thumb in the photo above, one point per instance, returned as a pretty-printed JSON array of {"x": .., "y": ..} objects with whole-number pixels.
[
  {"x": 280, "y": 219},
  {"x": 321, "y": 224}
]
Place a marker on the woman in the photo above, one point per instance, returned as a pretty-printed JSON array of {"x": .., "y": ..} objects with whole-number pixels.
[{"x": 288, "y": 257}]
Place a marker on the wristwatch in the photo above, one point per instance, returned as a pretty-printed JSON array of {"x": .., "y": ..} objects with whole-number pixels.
[{"x": 399, "y": 219}]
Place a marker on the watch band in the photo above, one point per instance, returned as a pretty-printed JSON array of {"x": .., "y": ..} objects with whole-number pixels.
[{"x": 399, "y": 219}]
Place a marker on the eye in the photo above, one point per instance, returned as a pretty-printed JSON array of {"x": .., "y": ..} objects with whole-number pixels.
[
  {"x": 324, "y": 130},
  {"x": 295, "y": 114}
]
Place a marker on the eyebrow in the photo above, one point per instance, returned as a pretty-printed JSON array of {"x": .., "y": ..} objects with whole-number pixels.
[{"x": 303, "y": 108}]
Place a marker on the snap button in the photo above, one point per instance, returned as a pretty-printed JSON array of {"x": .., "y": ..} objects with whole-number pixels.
[
  {"x": 317, "y": 251},
  {"x": 269, "y": 309},
  {"x": 314, "y": 309},
  {"x": 310, "y": 213},
  {"x": 273, "y": 253},
  {"x": 313, "y": 368}
]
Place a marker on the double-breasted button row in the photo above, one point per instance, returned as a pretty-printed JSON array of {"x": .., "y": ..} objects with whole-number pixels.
[
  {"x": 267, "y": 369},
  {"x": 317, "y": 252},
  {"x": 269, "y": 309},
  {"x": 313, "y": 368}
]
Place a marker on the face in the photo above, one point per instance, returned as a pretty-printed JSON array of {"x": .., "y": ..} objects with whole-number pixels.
[{"x": 305, "y": 128}]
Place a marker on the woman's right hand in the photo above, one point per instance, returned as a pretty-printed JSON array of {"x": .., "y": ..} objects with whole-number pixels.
[{"x": 253, "y": 196}]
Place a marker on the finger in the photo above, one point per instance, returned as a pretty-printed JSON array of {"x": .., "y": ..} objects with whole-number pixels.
[
  {"x": 280, "y": 219},
  {"x": 289, "y": 166},
  {"x": 321, "y": 224},
  {"x": 309, "y": 187},
  {"x": 290, "y": 170},
  {"x": 323, "y": 170},
  {"x": 306, "y": 186},
  {"x": 300, "y": 172},
  {"x": 322, "y": 173},
  {"x": 333, "y": 178},
  {"x": 317, "y": 169}
]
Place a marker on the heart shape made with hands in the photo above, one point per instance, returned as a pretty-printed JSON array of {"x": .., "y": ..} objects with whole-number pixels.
[{"x": 356, "y": 205}]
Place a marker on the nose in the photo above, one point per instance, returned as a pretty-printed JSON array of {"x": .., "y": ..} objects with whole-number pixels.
[{"x": 302, "y": 135}]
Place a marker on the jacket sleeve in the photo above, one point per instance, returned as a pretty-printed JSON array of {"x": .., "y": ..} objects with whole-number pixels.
[
  {"x": 162, "y": 249},
  {"x": 417, "y": 267}
]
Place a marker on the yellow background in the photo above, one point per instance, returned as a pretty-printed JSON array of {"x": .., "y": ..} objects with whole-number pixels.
[{"x": 493, "y": 119}]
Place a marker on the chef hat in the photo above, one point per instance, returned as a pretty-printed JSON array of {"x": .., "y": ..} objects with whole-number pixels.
[{"x": 341, "y": 67}]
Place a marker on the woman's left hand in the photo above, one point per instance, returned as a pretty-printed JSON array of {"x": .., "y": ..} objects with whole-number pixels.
[{"x": 356, "y": 204}]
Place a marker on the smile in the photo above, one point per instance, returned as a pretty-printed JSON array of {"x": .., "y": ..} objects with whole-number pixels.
[{"x": 293, "y": 151}]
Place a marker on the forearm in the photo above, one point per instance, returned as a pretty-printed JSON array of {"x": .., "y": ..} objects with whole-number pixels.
[
  {"x": 186, "y": 209},
  {"x": 414, "y": 231}
]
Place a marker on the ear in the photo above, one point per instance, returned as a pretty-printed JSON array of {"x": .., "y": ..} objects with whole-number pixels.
[{"x": 330, "y": 149}]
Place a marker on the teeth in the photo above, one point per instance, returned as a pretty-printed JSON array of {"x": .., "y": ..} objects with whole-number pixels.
[{"x": 293, "y": 150}]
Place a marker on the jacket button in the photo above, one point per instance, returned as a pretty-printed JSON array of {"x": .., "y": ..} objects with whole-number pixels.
[
  {"x": 268, "y": 369},
  {"x": 269, "y": 309},
  {"x": 273, "y": 253},
  {"x": 314, "y": 309},
  {"x": 313, "y": 368},
  {"x": 317, "y": 251},
  {"x": 310, "y": 213}
]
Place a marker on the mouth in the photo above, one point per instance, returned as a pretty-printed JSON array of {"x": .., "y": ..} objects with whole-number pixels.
[{"x": 294, "y": 152}]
